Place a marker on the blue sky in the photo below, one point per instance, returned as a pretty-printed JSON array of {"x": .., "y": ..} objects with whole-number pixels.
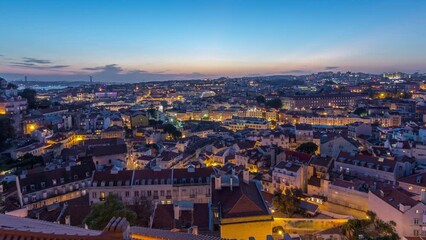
[{"x": 143, "y": 40}]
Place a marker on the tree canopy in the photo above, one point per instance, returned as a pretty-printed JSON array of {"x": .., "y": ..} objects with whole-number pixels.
[
  {"x": 30, "y": 95},
  {"x": 371, "y": 228},
  {"x": 102, "y": 212},
  {"x": 288, "y": 202},
  {"x": 309, "y": 148},
  {"x": 260, "y": 99},
  {"x": 274, "y": 103},
  {"x": 6, "y": 132},
  {"x": 361, "y": 112},
  {"x": 172, "y": 131}
]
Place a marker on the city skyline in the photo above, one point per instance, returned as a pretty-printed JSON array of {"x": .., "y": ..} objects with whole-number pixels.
[{"x": 167, "y": 40}]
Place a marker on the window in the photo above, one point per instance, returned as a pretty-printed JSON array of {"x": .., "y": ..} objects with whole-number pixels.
[
  {"x": 127, "y": 194},
  {"x": 416, "y": 232},
  {"x": 149, "y": 193},
  {"x": 416, "y": 221},
  {"x": 102, "y": 196},
  {"x": 94, "y": 195},
  {"x": 136, "y": 193},
  {"x": 162, "y": 193}
]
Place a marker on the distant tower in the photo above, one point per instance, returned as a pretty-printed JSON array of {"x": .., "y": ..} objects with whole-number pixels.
[
  {"x": 91, "y": 79},
  {"x": 26, "y": 80}
]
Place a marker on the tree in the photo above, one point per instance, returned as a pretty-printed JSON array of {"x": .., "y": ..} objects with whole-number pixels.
[
  {"x": 371, "y": 216},
  {"x": 102, "y": 212},
  {"x": 143, "y": 209},
  {"x": 30, "y": 95},
  {"x": 29, "y": 160},
  {"x": 309, "y": 148},
  {"x": 361, "y": 112},
  {"x": 274, "y": 103},
  {"x": 172, "y": 131},
  {"x": 288, "y": 202},
  {"x": 7, "y": 131},
  {"x": 12, "y": 86},
  {"x": 260, "y": 99}
]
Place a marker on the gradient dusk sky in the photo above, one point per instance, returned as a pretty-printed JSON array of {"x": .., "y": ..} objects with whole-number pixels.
[{"x": 158, "y": 40}]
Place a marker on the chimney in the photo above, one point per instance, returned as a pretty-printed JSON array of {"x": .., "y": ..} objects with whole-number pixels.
[
  {"x": 218, "y": 183},
  {"x": 423, "y": 195},
  {"x": 246, "y": 176},
  {"x": 231, "y": 179},
  {"x": 176, "y": 211},
  {"x": 68, "y": 220}
]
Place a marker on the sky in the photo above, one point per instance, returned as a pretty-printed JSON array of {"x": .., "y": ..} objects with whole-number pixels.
[{"x": 136, "y": 40}]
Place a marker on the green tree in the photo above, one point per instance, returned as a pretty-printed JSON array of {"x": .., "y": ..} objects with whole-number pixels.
[
  {"x": 361, "y": 112},
  {"x": 7, "y": 131},
  {"x": 143, "y": 209},
  {"x": 172, "y": 131},
  {"x": 12, "y": 86},
  {"x": 102, "y": 212},
  {"x": 288, "y": 202},
  {"x": 29, "y": 160},
  {"x": 30, "y": 95},
  {"x": 309, "y": 148},
  {"x": 260, "y": 99},
  {"x": 275, "y": 103},
  {"x": 371, "y": 216}
]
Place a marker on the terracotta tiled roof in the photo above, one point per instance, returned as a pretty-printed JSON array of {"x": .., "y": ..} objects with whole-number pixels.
[
  {"x": 418, "y": 179},
  {"x": 395, "y": 197},
  {"x": 53, "y": 178},
  {"x": 168, "y": 235},
  {"x": 243, "y": 201}
]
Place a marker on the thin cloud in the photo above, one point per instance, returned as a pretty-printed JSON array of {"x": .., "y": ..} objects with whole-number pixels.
[
  {"x": 331, "y": 67},
  {"x": 295, "y": 71},
  {"x": 35, "y": 60},
  {"x": 35, "y": 66}
]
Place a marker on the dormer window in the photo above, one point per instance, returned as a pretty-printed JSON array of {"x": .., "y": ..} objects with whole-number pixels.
[
  {"x": 62, "y": 180},
  {"x": 76, "y": 177},
  {"x": 43, "y": 184},
  {"x": 54, "y": 181},
  {"x": 32, "y": 187}
]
